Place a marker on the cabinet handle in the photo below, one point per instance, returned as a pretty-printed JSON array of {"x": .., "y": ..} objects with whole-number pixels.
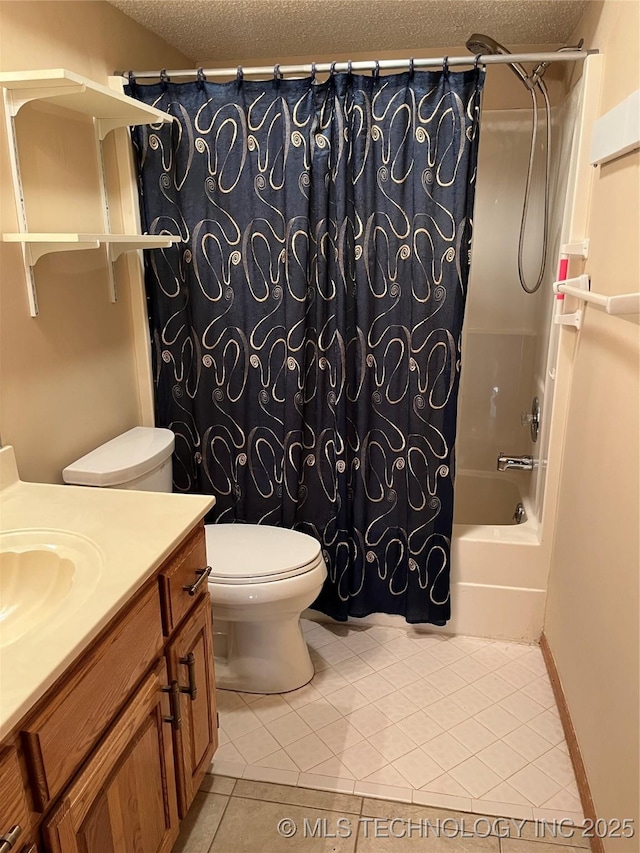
[
  {"x": 7, "y": 841},
  {"x": 190, "y": 663},
  {"x": 192, "y": 589},
  {"x": 174, "y": 700}
]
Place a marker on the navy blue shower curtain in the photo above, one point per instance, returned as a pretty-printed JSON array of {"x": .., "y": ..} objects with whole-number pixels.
[{"x": 307, "y": 329}]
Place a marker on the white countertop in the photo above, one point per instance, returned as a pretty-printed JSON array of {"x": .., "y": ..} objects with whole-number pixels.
[{"x": 133, "y": 531}]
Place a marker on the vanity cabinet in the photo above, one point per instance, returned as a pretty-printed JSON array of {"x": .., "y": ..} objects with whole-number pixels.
[{"x": 110, "y": 759}]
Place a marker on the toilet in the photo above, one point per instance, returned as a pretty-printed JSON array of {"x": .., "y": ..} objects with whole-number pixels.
[{"x": 261, "y": 579}]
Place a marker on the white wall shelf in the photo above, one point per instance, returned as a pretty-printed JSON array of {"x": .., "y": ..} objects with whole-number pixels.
[
  {"x": 38, "y": 245},
  {"x": 63, "y": 88},
  {"x": 109, "y": 109}
]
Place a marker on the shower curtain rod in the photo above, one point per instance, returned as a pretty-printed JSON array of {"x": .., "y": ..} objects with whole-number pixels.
[{"x": 369, "y": 65}]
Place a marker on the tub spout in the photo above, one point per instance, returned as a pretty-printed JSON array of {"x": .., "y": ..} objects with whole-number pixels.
[{"x": 517, "y": 463}]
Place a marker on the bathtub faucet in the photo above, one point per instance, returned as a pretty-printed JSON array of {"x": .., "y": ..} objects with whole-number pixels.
[{"x": 517, "y": 463}]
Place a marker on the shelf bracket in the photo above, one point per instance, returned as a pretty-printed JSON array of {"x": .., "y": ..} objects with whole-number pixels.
[
  {"x": 31, "y": 254},
  {"x": 106, "y": 125},
  {"x": 17, "y": 101},
  {"x": 114, "y": 250},
  {"x": 34, "y": 251}
]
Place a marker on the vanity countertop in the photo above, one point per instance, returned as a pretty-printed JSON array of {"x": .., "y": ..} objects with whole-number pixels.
[{"x": 133, "y": 532}]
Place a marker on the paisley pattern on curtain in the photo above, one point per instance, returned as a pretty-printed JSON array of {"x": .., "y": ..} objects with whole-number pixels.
[{"x": 306, "y": 331}]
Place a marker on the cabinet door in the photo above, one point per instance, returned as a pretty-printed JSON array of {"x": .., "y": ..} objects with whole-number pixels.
[
  {"x": 124, "y": 798},
  {"x": 190, "y": 657}
]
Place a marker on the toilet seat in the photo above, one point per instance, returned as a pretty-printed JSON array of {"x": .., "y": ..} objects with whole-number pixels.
[{"x": 253, "y": 553}]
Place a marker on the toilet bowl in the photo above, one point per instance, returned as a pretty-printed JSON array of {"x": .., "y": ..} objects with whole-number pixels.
[{"x": 262, "y": 577}]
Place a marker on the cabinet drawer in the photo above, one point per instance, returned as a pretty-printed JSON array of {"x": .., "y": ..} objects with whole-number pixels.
[
  {"x": 14, "y": 810},
  {"x": 182, "y": 570},
  {"x": 58, "y": 738}
]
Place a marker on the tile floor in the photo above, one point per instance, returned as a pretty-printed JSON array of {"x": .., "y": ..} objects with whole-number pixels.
[
  {"x": 417, "y": 717},
  {"x": 242, "y": 816}
]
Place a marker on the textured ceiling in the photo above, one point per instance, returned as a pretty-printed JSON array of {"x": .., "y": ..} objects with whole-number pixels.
[{"x": 257, "y": 29}]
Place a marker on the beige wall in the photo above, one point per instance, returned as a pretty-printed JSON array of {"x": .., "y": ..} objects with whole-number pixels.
[
  {"x": 67, "y": 378},
  {"x": 592, "y": 620}
]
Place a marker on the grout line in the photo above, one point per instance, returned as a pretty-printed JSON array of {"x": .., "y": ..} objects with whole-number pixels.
[
  {"x": 224, "y": 811},
  {"x": 355, "y": 846},
  {"x": 298, "y": 805}
]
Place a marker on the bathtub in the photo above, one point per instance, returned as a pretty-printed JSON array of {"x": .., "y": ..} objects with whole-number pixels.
[
  {"x": 483, "y": 499},
  {"x": 498, "y": 569}
]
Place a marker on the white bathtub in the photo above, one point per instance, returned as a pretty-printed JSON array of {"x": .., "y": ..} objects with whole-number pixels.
[
  {"x": 488, "y": 499},
  {"x": 498, "y": 574}
]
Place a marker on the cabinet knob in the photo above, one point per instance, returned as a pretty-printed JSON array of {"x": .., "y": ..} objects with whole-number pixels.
[{"x": 9, "y": 839}]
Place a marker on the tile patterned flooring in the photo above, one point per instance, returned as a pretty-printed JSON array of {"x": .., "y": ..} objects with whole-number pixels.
[
  {"x": 411, "y": 716},
  {"x": 242, "y": 816}
]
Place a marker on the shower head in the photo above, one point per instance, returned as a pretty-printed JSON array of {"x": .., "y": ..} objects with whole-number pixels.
[{"x": 479, "y": 43}]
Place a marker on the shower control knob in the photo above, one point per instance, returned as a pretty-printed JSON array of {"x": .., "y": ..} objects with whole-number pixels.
[{"x": 532, "y": 419}]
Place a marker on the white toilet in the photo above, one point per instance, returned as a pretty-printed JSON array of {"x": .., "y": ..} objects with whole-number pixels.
[{"x": 262, "y": 577}]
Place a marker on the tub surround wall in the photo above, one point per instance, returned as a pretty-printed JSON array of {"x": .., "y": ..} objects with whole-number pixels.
[
  {"x": 592, "y": 612},
  {"x": 68, "y": 379},
  {"x": 565, "y": 154}
]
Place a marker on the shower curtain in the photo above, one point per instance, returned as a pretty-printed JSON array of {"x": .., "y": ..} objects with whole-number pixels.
[{"x": 306, "y": 331}]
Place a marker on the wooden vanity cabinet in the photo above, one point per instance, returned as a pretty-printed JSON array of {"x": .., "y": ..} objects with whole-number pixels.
[{"x": 141, "y": 701}]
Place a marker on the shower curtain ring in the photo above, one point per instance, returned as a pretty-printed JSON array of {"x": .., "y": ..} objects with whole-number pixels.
[
  {"x": 376, "y": 70},
  {"x": 349, "y": 67},
  {"x": 476, "y": 62},
  {"x": 277, "y": 76},
  {"x": 445, "y": 65},
  {"x": 412, "y": 69},
  {"x": 239, "y": 75},
  {"x": 200, "y": 78},
  {"x": 164, "y": 77},
  {"x": 332, "y": 69},
  {"x": 131, "y": 77},
  {"x": 313, "y": 72}
]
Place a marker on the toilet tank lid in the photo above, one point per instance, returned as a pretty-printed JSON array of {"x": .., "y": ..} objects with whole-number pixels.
[{"x": 124, "y": 458}]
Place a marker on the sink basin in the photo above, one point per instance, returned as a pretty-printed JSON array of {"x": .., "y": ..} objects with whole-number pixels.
[{"x": 44, "y": 574}]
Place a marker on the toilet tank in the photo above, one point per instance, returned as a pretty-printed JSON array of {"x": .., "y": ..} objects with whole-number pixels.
[{"x": 138, "y": 459}]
